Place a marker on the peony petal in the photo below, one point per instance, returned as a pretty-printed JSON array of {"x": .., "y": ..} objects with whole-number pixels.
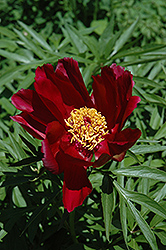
[
  {"x": 117, "y": 69},
  {"x": 60, "y": 78},
  {"x": 49, "y": 160},
  {"x": 52, "y": 98},
  {"x": 131, "y": 105},
  {"x": 117, "y": 87},
  {"x": 125, "y": 85},
  {"x": 127, "y": 135},
  {"x": 112, "y": 92},
  {"x": 50, "y": 147},
  {"x": 22, "y": 100},
  {"x": 75, "y": 149},
  {"x": 44, "y": 71},
  {"x": 122, "y": 142},
  {"x": 120, "y": 73},
  {"x": 62, "y": 158},
  {"x": 99, "y": 95},
  {"x": 54, "y": 132},
  {"x": 102, "y": 148},
  {"x": 106, "y": 95},
  {"x": 76, "y": 185},
  {"x": 74, "y": 198},
  {"x": 104, "y": 158},
  {"x": 29, "y": 101},
  {"x": 30, "y": 125},
  {"x": 69, "y": 80}
]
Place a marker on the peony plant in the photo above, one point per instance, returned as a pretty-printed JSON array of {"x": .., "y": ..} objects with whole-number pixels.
[{"x": 74, "y": 125}]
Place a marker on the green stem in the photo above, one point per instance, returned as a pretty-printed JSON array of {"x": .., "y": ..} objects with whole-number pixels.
[
  {"x": 72, "y": 229},
  {"x": 96, "y": 10}
]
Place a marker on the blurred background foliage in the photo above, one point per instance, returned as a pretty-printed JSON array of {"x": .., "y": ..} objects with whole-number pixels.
[
  {"x": 128, "y": 214},
  {"x": 42, "y": 14}
]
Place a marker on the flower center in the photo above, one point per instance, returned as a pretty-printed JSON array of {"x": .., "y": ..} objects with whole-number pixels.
[{"x": 87, "y": 127}]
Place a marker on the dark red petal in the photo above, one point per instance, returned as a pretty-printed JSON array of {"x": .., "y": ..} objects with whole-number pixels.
[
  {"x": 59, "y": 139},
  {"x": 29, "y": 124},
  {"x": 104, "y": 158},
  {"x": 75, "y": 149},
  {"x": 60, "y": 78},
  {"x": 127, "y": 135},
  {"x": 92, "y": 98},
  {"x": 29, "y": 101},
  {"x": 44, "y": 71},
  {"x": 76, "y": 186},
  {"x": 63, "y": 158},
  {"x": 119, "y": 89},
  {"x": 123, "y": 141},
  {"x": 22, "y": 100},
  {"x": 54, "y": 132},
  {"x": 119, "y": 72},
  {"x": 112, "y": 92},
  {"x": 125, "y": 85},
  {"x": 131, "y": 105},
  {"x": 52, "y": 98},
  {"x": 70, "y": 82},
  {"x": 50, "y": 146},
  {"x": 101, "y": 148},
  {"x": 117, "y": 69},
  {"x": 106, "y": 95},
  {"x": 99, "y": 95},
  {"x": 102, "y": 154},
  {"x": 49, "y": 160}
]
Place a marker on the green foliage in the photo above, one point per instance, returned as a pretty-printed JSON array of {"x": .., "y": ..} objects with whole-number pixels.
[{"x": 127, "y": 208}]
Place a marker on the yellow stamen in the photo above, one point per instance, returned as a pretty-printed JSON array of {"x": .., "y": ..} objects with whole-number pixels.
[{"x": 87, "y": 126}]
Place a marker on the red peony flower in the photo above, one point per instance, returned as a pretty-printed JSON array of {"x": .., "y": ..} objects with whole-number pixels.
[{"x": 74, "y": 125}]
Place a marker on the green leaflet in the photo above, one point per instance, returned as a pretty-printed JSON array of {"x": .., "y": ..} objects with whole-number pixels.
[
  {"x": 145, "y": 228},
  {"x": 142, "y": 171}
]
